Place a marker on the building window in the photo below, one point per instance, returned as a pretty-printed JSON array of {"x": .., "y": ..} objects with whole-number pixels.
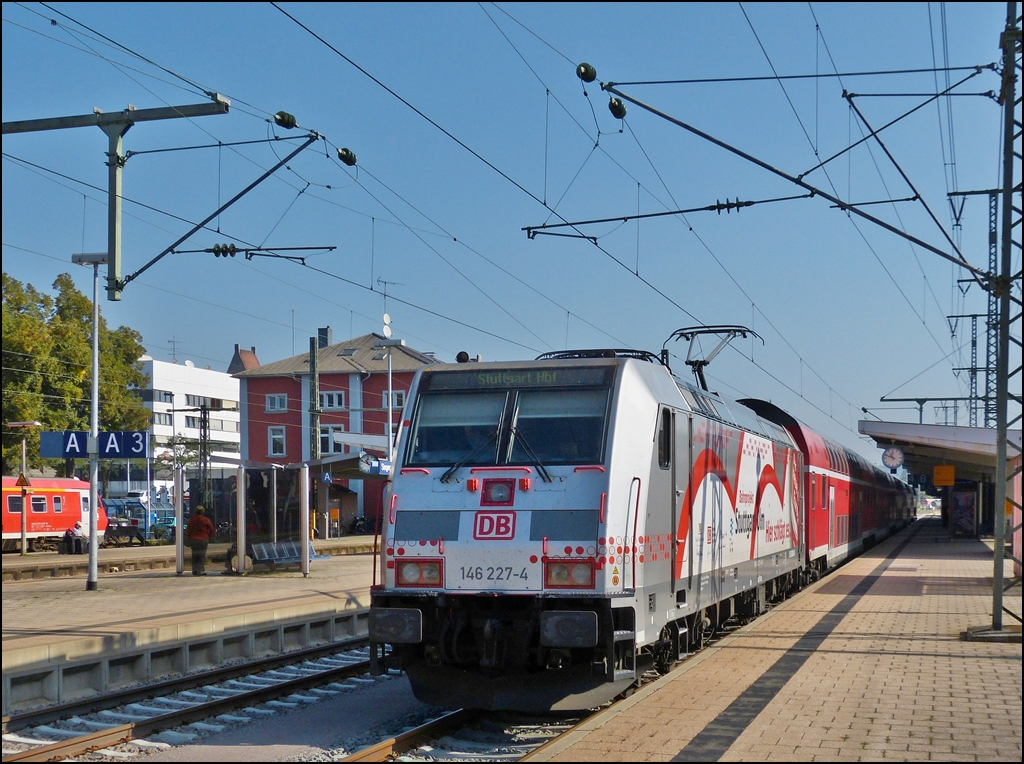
[
  {"x": 397, "y": 399},
  {"x": 332, "y": 400},
  {"x": 275, "y": 441},
  {"x": 157, "y": 396},
  {"x": 192, "y": 421},
  {"x": 164, "y": 419},
  {"x": 328, "y": 445},
  {"x": 277, "y": 403}
]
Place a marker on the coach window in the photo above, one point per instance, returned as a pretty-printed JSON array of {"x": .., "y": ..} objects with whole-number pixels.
[
  {"x": 665, "y": 440},
  {"x": 58, "y": 503},
  {"x": 814, "y": 495},
  {"x": 14, "y": 504},
  {"x": 39, "y": 504}
]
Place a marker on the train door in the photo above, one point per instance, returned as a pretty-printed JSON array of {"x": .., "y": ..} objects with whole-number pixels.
[
  {"x": 84, "y": 499},
  {"x": 660, "y": 516},
  {"x": 682, "y": 542},
  {"x": 831, "y": 517}
]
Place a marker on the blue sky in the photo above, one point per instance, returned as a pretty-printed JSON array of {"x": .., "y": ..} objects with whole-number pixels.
[{"x": 470, "y": 124}]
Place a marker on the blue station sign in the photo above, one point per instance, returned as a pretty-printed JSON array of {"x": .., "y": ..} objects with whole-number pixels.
[{"x": 73, "y": 444}]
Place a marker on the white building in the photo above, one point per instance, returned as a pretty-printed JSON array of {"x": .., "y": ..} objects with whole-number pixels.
[{"x": 177, "y": 395}]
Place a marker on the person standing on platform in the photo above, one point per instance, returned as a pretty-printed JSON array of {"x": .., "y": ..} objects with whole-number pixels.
[{"x": 198, "y": 534}]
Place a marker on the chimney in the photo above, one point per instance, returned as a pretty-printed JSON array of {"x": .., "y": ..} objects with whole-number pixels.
[{"x": 325, "y": 337}]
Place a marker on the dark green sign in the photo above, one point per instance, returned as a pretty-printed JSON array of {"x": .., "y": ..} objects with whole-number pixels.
[{"x": 490, "y": 379}]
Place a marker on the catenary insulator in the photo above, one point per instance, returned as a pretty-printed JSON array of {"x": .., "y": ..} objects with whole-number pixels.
[
  {"x": 586, "y": 72},
  {"x": 617, "y": 108}
]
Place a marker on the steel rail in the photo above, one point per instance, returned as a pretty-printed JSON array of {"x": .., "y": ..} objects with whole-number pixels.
[
  {"x": 395, "y": 746},
  {"x": 15, "y": 722},
  {"x": 126, "y": 732}
]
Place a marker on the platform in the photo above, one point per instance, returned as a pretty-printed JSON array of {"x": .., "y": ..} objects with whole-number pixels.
[
  {"x": 119, "y": 559},
  {"x": 865, "y": 665},
  {"x": 61, "y": 642}
]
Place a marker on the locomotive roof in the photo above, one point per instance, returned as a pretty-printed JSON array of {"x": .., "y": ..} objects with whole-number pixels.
[{"x": 702, "y": 402}]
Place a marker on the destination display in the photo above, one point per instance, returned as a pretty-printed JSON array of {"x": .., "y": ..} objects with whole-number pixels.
[{"x": 491, "y": 379}]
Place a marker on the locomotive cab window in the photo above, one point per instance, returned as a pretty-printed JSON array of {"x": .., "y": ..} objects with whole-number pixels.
[
  {"x": 451, "y": 428},
  {"x": 511, "y": 416},
  {"x": 559, "y": 426}
]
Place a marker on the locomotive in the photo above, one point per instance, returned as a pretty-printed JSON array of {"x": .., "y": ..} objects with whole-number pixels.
[
  {"x": 54, "y": 506},
  {"x": 558, "y": 527}
]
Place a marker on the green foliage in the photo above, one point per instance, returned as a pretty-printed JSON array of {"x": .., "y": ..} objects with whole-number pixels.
[
  {"x": 183, "y": 451},
  {"x": 47, "y": 369}
]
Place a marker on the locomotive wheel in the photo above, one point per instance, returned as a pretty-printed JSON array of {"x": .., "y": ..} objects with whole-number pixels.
[{"x": 664, "y": 660}]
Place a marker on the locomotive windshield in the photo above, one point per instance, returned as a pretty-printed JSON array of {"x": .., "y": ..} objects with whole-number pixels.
[
  {"x": 551, "y": 416},
  {"x": 560, "y": 427}
]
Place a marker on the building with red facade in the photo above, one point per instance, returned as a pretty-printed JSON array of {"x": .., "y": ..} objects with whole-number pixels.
[{"x": 276, "y": 415}]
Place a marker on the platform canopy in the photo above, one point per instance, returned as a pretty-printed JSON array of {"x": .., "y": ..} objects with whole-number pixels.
[
  {"x": 972, "y": 450},
  {"x": 339, "y": 466}
]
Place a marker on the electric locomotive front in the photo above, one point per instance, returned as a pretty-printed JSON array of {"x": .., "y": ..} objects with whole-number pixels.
[{"x": 499, "y": 556}]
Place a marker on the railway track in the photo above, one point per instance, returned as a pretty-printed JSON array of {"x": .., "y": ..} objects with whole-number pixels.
[
  {"x": 469, "y": 735},
  {"x": 177, "y": 711}
]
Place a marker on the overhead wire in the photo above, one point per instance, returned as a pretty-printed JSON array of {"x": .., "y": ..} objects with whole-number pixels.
[{"x": 208, "y": 92}]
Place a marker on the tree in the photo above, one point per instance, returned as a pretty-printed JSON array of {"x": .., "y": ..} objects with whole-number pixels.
[
  {"x": 47, "y": 368},
  {"x": 181, "y": 451}
]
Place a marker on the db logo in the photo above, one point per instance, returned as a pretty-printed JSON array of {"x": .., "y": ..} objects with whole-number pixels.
[{"x": 494, "y": 526}]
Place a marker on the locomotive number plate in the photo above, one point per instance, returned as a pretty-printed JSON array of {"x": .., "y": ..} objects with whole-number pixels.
[{"x": 489, "y": 573}]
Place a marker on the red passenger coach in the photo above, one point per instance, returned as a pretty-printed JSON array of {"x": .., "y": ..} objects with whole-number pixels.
[
  {"x": 849, "y": 503},
  {"x": 54, "y": 506}
]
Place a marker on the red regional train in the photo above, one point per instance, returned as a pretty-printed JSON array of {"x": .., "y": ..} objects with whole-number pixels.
[
  {"x": 559, "y": 527},
  {"x": 55, "y": 505}
]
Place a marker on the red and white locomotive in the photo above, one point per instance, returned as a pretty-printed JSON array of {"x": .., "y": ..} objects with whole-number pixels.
[
  {"x": 558, "y": 527},
  {"x": 54, "y": 506}
]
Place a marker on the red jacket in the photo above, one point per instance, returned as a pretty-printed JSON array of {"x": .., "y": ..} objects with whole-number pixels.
[{"x": 199, "y": 528}]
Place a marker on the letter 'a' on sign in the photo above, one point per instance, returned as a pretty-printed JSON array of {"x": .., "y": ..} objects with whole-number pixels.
[
  {"x": 111, "y": 444},
  {"x": 944, "y": 474}
]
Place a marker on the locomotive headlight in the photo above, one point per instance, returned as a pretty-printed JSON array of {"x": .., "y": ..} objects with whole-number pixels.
[
  {"x": 426, "y": 573},
  {"x": 582, "y": 573},
  {"x": 575, "y": 574},
  {"x": 410, "y": 573},
  {"x": 498, "y": 493},
  {"x": 558, "y": 575}
]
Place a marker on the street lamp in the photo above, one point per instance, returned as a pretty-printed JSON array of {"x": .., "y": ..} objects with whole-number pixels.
[
  {"x": 387, "y": 345},
  {"x": 24, "y": 492},
  {"x": 95, "y": 259}
]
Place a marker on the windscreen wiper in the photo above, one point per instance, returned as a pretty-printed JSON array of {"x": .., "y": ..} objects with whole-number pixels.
[
  {"x": 542, "y": 471},
  {"x": 474, "y": 452}
]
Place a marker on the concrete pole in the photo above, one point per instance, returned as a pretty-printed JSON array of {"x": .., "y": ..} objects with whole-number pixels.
[
  {"x": 304, "y": 540},
  {"x": 273, "y": 505},
  {"x": 24, "y": 500},
  {"x": 179, "y": 521},
  {"x": 240, "y": 519},
  {"x": 92, "y": 582}
]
